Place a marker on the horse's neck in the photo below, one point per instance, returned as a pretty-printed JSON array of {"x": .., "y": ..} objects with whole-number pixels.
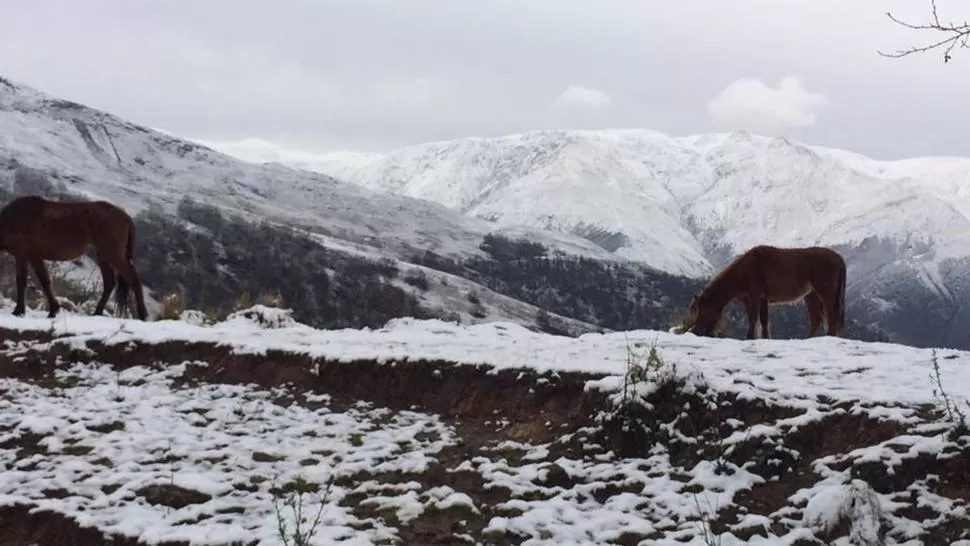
[{"x": 719, "y": 292}]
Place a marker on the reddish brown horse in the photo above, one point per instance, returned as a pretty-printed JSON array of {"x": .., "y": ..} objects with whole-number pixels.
[
  {"x": 768, "y": 275},
  {"x": 34, "y": 229}
]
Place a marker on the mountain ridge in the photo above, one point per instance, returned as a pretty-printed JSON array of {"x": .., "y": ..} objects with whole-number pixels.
[
  {"x": 896, "y": 276},
  {"x": 94, "y": 154},
  {"x": 686, "y": 205},
  {"x": 701, "y": 164}
]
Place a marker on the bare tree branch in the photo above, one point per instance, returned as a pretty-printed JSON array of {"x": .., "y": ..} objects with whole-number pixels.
[{"x": 956, "y": 35}]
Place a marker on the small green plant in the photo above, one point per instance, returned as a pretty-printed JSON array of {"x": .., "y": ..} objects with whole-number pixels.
[
  {"x": 953, "y": 412},
  {"x": 291, "y": 496},
  {"x": 643, "y": 369},
  {"x": 704, "y": 519}
]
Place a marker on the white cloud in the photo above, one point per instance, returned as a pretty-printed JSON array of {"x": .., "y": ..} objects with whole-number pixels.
[
  {"x": 584, "y": 97},
  {"x": 749, "y": 103}
]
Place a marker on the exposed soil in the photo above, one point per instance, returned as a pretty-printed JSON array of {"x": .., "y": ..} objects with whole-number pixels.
[
  {"x": 20, "y": 527},
  {"x": 488, "y": 407}
]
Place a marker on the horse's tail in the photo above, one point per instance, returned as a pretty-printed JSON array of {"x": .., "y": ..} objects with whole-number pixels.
[
  {"x": 123, "y": 286},
  {"x": 121, "y": 296},
  {"x": 840, "y": 308},
  {"x": 130, "y": 243}
]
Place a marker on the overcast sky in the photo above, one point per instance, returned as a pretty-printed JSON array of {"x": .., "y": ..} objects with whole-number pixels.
[{"x": 367, "y": 75}]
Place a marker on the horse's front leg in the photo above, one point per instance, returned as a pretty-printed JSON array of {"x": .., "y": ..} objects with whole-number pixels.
[
  {"x": 21, "y": 308},
  {"x": 814, "y": 304},
  {"x": 763, "y": 318},
  {"x": 751, "y": 306},
  {"x": 40, "y": 269},
  {"x": 108, "y": 283}
]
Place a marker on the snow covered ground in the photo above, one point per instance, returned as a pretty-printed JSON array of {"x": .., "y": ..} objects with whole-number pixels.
[
  {"x": 785, "y": 370},
  {"x": 229, "y": 444},
  {"x": 107, "y": 441}
]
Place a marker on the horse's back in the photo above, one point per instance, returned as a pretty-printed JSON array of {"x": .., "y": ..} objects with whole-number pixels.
[
  {"x": 795, "y": 255},
  {"x": 60, "y": 230},
  {"x": 788, "y": 273},
  {"x": 36, "y": 206}
]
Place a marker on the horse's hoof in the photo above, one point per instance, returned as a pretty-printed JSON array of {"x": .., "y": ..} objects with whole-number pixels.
[{"x": 18, "y": 312}]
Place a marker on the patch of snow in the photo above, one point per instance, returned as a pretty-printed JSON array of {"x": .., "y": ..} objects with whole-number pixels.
[
  {"x": 670, "y": 196},
  {"x": 796, "y": 371},
  {"x": 263, "y": 316},
  {"x": 854, "y": 503},
  {"x": 228, "y": 443}
]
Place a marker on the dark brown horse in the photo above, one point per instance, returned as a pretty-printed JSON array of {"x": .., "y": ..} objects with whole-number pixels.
[
  {"x": 768, "y": 275},
  {"x": 34, "y": 229}
]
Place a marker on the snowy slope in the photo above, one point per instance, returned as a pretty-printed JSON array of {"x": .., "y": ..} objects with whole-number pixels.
[
  {"x": 945, "y": 177},
  {"x": 683, "y": 205},
  {"x": 673, "y": 202},
  {"x": 582, "y": 183},
  {"x": 105, "y": 156},
  {"x": 688, "y": 204},
  {"x": 102, "y": 156}
]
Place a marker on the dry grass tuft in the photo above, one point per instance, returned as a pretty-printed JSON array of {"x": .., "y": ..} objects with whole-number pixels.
[
  {"x": 242, "y": 301},
  {"x": 272, "y": 300},
  {"x": 171, "y": 307}
]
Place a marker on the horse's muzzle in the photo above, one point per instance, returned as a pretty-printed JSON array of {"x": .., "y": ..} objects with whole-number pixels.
[{"x": 704, "y": 332}]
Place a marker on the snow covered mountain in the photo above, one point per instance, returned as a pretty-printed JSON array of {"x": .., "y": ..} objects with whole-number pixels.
[
  {"x": 99, "y": 155},
  {"x": 687, "y": 204},
  {"x": 669, "y": 201},
  {"x": 103, "y": 155},
  {"x": 683, "y": 205}
]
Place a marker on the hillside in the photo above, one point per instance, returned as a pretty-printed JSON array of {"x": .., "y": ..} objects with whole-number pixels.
[
  {"x": 685, "y": 205},
  {"x": 218, "y": 232},
  {"x": 56, "y": 147},
  {"x": 425, "y": 432}
]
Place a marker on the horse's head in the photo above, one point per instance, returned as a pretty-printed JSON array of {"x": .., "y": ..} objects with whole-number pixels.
[{"x": 703, "y": 316}]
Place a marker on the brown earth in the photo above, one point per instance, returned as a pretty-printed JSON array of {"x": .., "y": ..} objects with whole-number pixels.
[{"x": 487, "y": 407}]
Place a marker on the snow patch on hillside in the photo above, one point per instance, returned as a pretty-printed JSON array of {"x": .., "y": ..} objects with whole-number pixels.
[
  {"x": 101, "y": 156},
  {"x": 677, "y": 202}
]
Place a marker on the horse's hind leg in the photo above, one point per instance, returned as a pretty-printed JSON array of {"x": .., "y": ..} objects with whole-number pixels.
[
  {"x": 126, "y": 272},
  {"x": 40, "y": 269},
  {"x": 108, "y": 281},
  {"x": 135, "y": 281},
  {"x": 830, "y": 305},
  {"x": 814, "y": 304},
  {"x": 763, "y": 318},
  {"x": 827, "y": 295},
  {"x": 21, "y": 308}
]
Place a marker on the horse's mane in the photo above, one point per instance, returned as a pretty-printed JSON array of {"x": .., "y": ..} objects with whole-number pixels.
[{"x": 716, "y": 279}]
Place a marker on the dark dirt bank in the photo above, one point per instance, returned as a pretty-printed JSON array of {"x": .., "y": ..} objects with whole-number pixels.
[{"x": 525, "y": 406}]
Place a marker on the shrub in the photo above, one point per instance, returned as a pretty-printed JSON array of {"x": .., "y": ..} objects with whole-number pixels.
[{"x": 417, "y": 279}]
